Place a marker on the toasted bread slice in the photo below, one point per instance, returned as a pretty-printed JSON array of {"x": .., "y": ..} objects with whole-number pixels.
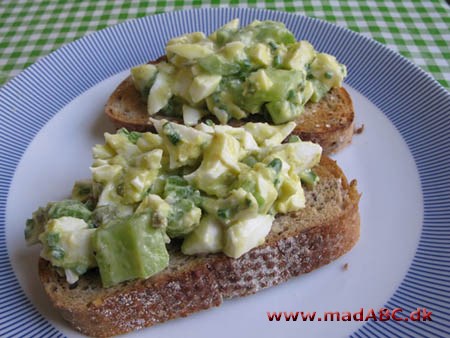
[
  {"x": 329, "y": 122},
  {"x": 298, "y": 243}
]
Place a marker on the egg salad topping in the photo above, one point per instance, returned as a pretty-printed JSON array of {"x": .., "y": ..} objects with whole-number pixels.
[
  {"x": 214, "y": 187},
  {"x": 237, "y": 72}
]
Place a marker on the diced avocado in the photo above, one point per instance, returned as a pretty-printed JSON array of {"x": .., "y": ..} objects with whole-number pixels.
[
  {"x": 203, "y": 86},
  {"x": 67, "y": 243},
  {"x": 206, "y": 238},
  {"x": 264, "y": 32},
  {"x": 299, "y": 55},
  {"x": 260, "y": 54},
  {"x": 245, "y": 235},
  {"x": 217, "y": 64},
  {"x": 184, "y": 144},
  {"x": 143, "y": 77},
  {"x": 159, "y": 94},
  {"x": 191, "y": 116},
  {"x": 283, "y": 111},
  {"x": 130, "y": 248},
  {"x": 273, "y": 31},
  {"x": 326, "y": 69},
  {"x": 283, "y": 81}
]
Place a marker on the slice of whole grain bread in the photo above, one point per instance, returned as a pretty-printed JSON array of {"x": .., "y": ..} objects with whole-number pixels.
[
  {"x": 329, "y": 122},
  {"x": 298, "y": 243}
]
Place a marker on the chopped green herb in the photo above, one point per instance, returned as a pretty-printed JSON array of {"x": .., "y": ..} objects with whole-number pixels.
[
  {"x": 58, "y": 253},
  {"x": 70, "y": 208},
  {"x": 133, "y": 136},
  {"x": 277, "y": 61},
  {"x": 171, "y": 133},
  {"x": 245, "y": 66},
  {"x": 276, "y": 165},
  {"x": 291, "y": 95},
  {"x": 53, "y": 239},
  {"x": 273, "y": 46},
  {"x": 329, "y": 75},
  {"x": 177, "y": 180},
  {"x": 224, "y": 213}
]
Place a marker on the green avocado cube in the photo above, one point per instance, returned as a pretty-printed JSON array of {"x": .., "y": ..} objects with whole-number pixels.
[
  {"x": 283, "y": 111},
  {"x": 130, "y": 248},
  {"x": 273, "y": 85}
]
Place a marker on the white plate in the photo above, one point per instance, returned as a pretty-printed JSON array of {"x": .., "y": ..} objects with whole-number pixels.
[{"x": 51, "y": 115}]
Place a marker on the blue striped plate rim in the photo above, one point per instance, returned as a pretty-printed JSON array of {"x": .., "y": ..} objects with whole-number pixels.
[{"x": 412, "y": 100}]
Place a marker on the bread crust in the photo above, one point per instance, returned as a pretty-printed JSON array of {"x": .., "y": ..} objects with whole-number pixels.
[
  {"x": 298, "y": 243},
  {"x": 329, "y": 122}
]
